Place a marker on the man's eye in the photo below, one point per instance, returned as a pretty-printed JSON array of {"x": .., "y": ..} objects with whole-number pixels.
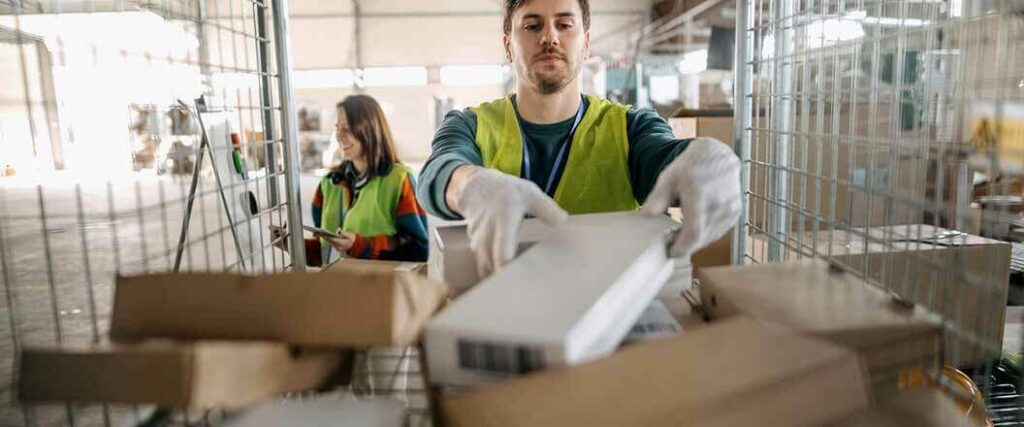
[
  {"x": 531, "y": 27},
  {"x": 565, "y": 26}
]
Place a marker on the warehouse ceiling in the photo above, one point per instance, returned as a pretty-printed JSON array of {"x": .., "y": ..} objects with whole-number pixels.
[
  {"x": 360, "y": 33},
  {"x": 444, "y": 7}
]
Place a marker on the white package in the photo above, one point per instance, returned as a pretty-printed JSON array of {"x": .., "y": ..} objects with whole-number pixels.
[{"x": 569, "y": 298}]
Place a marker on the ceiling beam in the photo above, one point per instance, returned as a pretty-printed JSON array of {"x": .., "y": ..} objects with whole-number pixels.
[{"x": 409, "y": 15}]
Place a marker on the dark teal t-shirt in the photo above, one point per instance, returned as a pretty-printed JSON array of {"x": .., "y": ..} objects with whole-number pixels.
[{"x": 652, "y": 146}]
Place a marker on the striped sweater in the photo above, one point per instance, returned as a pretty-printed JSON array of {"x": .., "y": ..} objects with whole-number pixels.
[{"x": 409, "y": 243}]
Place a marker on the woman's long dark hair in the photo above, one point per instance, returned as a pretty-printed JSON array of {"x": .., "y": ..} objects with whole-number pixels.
[{"x": 370, "y": 128}]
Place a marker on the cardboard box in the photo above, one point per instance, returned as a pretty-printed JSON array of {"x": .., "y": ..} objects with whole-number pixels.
[
  {"x": 719, "y": 127},
  {"x": 352, "y": 306},
  {"x": 716, "y": 254},
  {"x": 324, "y": 412},
  {"x": 810, "y": 297},
  {"x": 399, "y": 266},
  {"x": 916, "y": 408},
  {"x": 735, "y": 373},
  {"x": 964, "y": 279},
  {"x": 570, "y": 298},
  {"x": 188, "y": 375}
]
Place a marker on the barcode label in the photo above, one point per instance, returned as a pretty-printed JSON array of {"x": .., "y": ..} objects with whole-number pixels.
[
  {"x": 656, "y": 321},
  {"x": 499, "y": 358},
  {"x": 654, "y": 328}
]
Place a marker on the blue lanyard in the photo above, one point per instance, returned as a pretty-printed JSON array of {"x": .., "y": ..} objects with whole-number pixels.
[{"x": 561, "y": 151}]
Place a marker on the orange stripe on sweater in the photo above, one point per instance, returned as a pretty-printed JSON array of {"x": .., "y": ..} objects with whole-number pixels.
[{"x": 407, "y": 203}]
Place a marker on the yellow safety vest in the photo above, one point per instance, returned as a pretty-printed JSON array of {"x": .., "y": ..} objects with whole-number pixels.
[
  {"x": 596, "y": 176},
  {"x": 373, "y": 213}
]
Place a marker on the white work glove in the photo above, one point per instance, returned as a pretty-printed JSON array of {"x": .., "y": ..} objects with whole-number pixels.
[
  {"x": 494, "y": 204},
  {"x": 705, "y": 180}
]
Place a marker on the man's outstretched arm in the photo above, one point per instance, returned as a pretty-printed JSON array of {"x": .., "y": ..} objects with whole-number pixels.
[{"x": 452, "y": 159}]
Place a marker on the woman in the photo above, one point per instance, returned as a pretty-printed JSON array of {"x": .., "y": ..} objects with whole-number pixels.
[{"x": 369, "y": 199}]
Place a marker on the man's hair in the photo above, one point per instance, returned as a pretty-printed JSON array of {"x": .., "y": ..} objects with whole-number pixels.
[{"x": 512, "y": 5}]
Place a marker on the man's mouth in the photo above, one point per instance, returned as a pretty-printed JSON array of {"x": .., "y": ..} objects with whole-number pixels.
[{"x": 549, "y": 58}]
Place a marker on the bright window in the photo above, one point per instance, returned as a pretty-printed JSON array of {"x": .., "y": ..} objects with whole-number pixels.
[
  {"x": 320, "y": 79},
  {"x": 395, "y": 76},
  {"x": 472, "y": 75}
]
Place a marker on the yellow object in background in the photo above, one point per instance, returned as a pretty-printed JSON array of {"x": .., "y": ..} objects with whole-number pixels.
[{"x": 1001, "y": 130}]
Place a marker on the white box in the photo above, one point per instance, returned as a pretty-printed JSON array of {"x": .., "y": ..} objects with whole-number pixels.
[
  {"x": 569, "y": 298},
  {"x": 452, "y": 261}
]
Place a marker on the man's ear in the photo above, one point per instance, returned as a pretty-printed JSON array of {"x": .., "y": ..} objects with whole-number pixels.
[
  {"x": 586, "y": 44},
  {"x": 507, "y": 41}
]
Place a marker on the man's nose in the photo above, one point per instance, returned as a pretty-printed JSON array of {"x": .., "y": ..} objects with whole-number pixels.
[{"x": 550, "y": 36}]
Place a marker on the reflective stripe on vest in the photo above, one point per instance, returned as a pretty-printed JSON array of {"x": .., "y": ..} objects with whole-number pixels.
[
  {"x": 373, "y": 213},
  {"x": 596, "y": 175}
]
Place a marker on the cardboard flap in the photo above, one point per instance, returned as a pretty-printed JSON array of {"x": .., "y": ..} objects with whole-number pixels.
[{"x": 421, "y": 299}]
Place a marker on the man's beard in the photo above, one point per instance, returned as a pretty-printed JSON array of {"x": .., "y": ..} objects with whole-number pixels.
[{"x": 552, "y": 83}]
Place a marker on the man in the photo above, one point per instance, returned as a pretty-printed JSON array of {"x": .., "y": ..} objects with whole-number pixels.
[{"x": 547, "y": 151}]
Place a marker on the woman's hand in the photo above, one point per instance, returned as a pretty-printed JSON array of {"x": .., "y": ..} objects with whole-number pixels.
[
  {"x": 343, "y": 243},
  {"x": 278, "y": 235}
]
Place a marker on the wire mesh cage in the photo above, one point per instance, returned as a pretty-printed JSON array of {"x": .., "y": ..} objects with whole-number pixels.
[
  {"x": 100, "y": 134},
  {"x": 883, "y": 136}
]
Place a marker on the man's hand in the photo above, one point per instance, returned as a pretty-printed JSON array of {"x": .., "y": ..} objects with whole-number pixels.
[
  {"x": 494, "y": 204},
  {"x": 705, "y": 180}
]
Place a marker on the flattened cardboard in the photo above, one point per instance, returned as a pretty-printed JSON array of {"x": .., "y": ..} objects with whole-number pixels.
[
  {"x": 974, "y": 301},
  {"x": 737, "y": 372},
  {"x": 810, "y": 297},
  {"x": 921, "y": 272},
  {"x": 915, "y": 408},
  {"x": 351, "y": 306},
  {"x": 196, "y": 375},
  {"x": 320, "y": 413}
]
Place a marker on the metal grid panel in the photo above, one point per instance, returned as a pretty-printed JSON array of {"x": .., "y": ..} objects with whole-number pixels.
[
  {"x": 862, "y": 125},
  {"x": 105, "y": 186}
]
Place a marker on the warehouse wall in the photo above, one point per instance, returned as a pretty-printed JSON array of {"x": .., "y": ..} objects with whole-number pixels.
[
  {"x": 430, "y": 34},
  {"x": 409, "y": 110}
]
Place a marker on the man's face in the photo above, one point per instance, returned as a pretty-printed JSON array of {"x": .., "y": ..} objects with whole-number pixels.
[{"x": 548, "y": 43}]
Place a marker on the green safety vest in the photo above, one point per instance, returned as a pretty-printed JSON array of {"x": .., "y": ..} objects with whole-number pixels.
[
  {"x": 373, "y": 214},
  {"x": 596, "y": 175}
]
